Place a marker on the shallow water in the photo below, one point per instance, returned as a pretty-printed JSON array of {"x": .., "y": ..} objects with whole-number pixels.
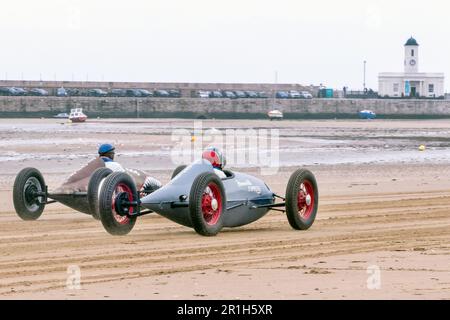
[{"x": 148, "y": 143}]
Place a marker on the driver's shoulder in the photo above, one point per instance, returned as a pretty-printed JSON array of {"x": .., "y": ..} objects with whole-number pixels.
[{"x": 114, "y": 166}]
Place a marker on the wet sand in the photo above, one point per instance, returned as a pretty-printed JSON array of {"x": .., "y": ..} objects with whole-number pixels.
[{"x": 378, "y": 211}]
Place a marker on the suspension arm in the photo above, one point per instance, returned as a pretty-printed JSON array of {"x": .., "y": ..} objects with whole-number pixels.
[{"x": 274, "y": 205}]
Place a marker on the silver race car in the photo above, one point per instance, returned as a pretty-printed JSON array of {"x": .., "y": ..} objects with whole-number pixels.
[{"x": 197, "y": 197}]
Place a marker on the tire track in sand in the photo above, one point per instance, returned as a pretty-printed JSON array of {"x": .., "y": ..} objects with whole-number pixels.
[{"x": 35, "y": 259}]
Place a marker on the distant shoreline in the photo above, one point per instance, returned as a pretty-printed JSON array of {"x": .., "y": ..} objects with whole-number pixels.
[{"x": 209, "y": 108}]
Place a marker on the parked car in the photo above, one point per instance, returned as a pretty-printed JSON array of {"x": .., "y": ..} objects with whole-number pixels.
[
  {"x": 306, "y": 95},
  {"x": 229, "y": 94},
  {"x": 202, "y": 94},
  {"x": 162, "y": 93},
  {"x": 118, "y": 93},
  {"x": 97, "y": 93},
  {"x": 145, "y": 93},
  {"x": 175, "y": 93},
  {"x": 251, "y": 94},
  {"x": 38, "y": 92},
  {"x": 263, "y": 95},
  {"x": 240, "y": 94},
  {"x": 61, "y": 92},
  {"x": 282, "y": 95},
  {"x": 133, "y": 93},
  {"x": 215, "y": 94},
  {"x": 20, "y": 91},
  {"x": 8, "y": 91},
  {"x": 74, "y": 92},
  {"x": 294, "y": 94}
]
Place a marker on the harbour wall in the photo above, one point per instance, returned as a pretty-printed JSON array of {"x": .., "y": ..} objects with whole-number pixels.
[{"x": 28, "y": 106}]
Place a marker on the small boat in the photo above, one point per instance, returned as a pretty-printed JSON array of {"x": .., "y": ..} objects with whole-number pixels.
[
  {"x": 367, "y": 114},
  {"x": 275, "y": 115},
  {"x": 62, "y": 116},
  {"x": 77, "y": 115}
]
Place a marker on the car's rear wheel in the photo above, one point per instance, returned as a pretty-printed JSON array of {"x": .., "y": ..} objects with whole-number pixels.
[
  {"x": 28, "y": 205},
  {"x": 93, "y": 189},
  {"x": 117, "y": 192},
  {"x": 207, "y": 204},
  {"x": 177, "y": 171},
  {"x": 302, "y": 199}
]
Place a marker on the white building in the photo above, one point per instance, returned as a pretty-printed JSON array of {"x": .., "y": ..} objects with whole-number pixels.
[{"x": 411, "y": 82}]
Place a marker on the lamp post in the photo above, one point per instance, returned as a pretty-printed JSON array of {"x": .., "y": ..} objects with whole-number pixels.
[{"x": 364, "y": 83}]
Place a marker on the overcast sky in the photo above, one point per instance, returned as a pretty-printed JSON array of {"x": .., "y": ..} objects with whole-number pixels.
[{"x": 307, "y": 42}]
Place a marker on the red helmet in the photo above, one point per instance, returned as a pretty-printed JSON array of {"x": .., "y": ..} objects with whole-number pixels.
[{"x": 215, "y": 156}]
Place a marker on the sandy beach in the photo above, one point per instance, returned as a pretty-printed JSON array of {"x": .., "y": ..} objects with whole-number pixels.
[{"x": 384, "y": 211}]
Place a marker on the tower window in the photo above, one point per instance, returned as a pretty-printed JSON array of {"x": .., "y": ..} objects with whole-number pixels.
[
  {"x": 412, "y": 52},
  {"x": 431, "y": 88}
]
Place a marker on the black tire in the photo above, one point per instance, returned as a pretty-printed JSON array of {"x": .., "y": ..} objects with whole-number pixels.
[
  {"x": 92, "y": 190},
  {"x": 302, "y": 179},
  {"x": 177, "y": 171},
  {"x": 27, "y": 181},
  {"x": 199, "y": 222},
  {"x": 108, "y": 192}
]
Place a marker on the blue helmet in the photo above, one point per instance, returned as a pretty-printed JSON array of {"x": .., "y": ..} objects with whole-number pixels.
[{"x": 105, "y": 148}]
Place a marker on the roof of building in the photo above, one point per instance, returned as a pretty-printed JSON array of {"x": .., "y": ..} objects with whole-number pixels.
[{"x": 411, "y": 42}]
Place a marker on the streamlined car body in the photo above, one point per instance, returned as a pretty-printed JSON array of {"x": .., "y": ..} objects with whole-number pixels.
[{"x": 242, "y": 192}]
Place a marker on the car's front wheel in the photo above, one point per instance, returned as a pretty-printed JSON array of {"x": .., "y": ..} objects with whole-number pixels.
[
  {"x": 207, "y": 204},
  {"x": 27, "y": 186}
]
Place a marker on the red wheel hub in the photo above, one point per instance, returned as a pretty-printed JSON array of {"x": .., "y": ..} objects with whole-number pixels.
[
  {"x": 211, "y": 204},
  {"x": 305, "y": 199},
  {"x": 121, "y": 188}
]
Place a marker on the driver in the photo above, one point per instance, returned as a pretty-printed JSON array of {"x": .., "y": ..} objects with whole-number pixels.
[
  {"x": 217, "y": 159},
  {"x": 106, "y": 153}
]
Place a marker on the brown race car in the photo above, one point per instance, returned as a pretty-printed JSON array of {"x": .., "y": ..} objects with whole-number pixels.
[{"x": 80, "y": 191}]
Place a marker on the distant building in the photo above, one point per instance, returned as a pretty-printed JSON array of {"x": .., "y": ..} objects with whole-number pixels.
[{"x": 411, "y": 82}]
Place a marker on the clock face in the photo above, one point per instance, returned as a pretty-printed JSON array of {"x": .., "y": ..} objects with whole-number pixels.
[{"x": 412, "y": 62}]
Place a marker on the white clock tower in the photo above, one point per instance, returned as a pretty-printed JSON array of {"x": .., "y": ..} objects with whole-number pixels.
[
  {"x": 411, "y": 83},
  {"x": 411, "y": 56}
]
